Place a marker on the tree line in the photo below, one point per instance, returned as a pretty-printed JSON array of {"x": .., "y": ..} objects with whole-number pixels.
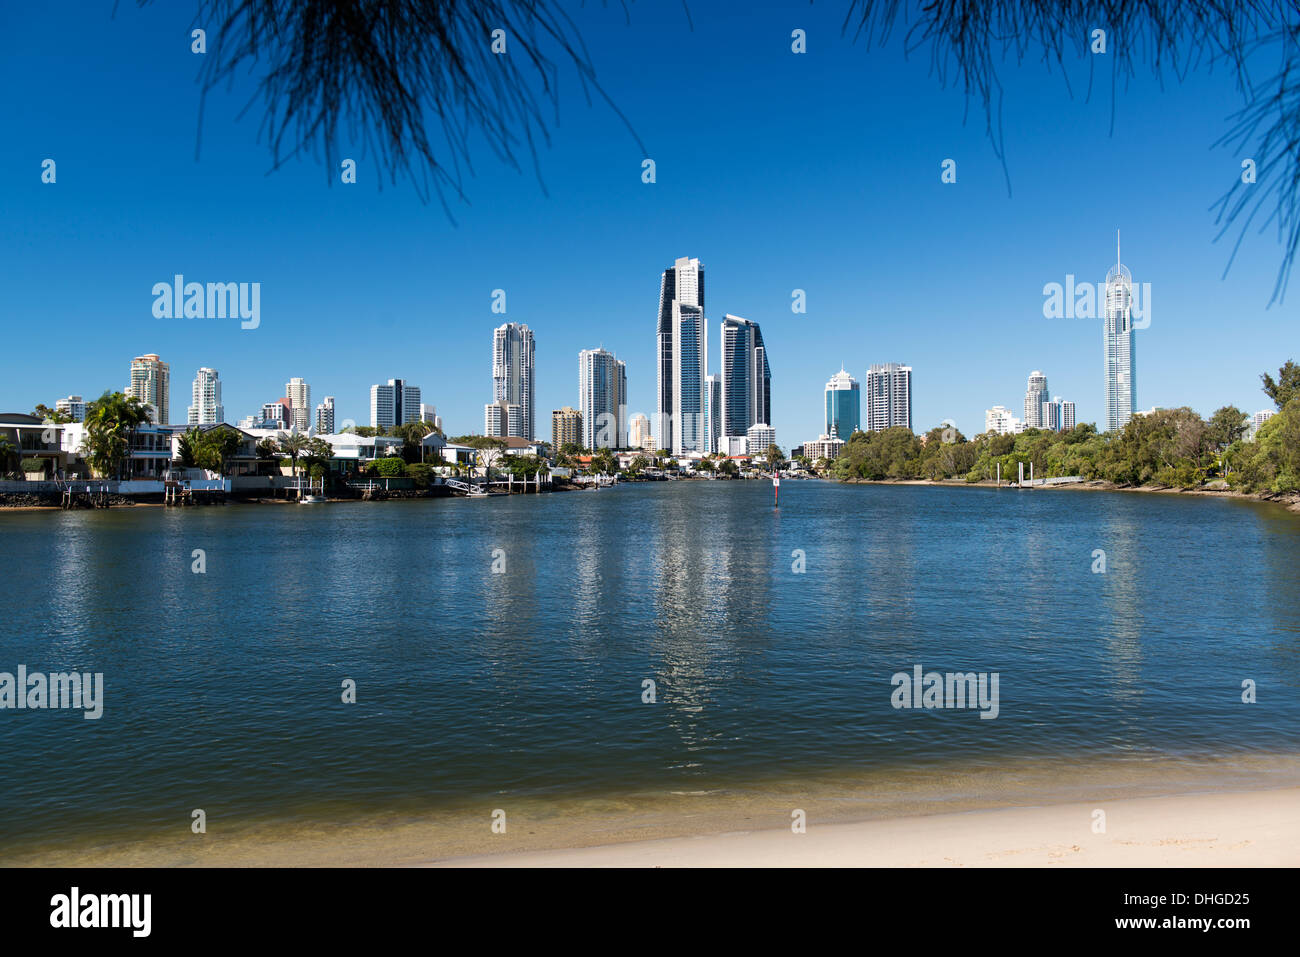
[{"x": 1176, "y": 448}]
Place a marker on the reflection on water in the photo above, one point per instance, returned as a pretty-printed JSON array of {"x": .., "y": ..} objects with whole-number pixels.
[
  {"x": 476, "y": 687},
  {"x": 1126, "y": 568}
]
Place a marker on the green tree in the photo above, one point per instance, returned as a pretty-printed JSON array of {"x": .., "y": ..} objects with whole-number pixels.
[
  {"x": 292, "y": 444},
  {"x": 111, "y": 424},
  {"x": 46, "y": 414},
  {"x": 774, "y": 456},
  {"x": 1227, "y": 426},
  {"x": 388, "y": 467},
  {"x": 1287, "y": 385}
]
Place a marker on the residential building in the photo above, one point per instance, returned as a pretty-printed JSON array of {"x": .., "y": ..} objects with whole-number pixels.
[
  {"x": 746, "y": 385},
  {"x": 429, "y": 413},
  {"x": 151, "y": 383},
  {"x": 276, "y": 415},
  {"x": 1036, "y": 396},
  {"x": 502, "y": 419},
  {"x": 602, "y": 399},
  {"x": 826, "y": 447},
  {"x": 74, "y": 406},
  {"x": 641, "y": 437},
  {"x": 205, "y": 402},
  {"x": 1000, "y": 421},
  {"x": 512, "y": 373},
  {"x": 682, "y": 358},
  {"x": 1121, "y": 387},
  {"x": 843, "y": 405},
  {"x": 1067, "y": 415},
  {"x": 1258, "y": 419},
  {"x": 889, "y": 396},
  {"x": 712, "y": 411},
  {"x": 566, "y": 427},
  {"x": 758, "y": 438},
  {"x": 325, "y": 416},
  {"x": 733, "y": 445},
  {"x": 396, "y": 403},
  {"x": 298, "y": 393}
]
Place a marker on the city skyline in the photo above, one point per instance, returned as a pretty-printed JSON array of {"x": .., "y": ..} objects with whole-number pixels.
[{"x": 938, "y": 265}]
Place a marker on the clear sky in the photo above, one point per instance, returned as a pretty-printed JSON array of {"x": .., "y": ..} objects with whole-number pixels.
[{"x": 779, "y": 171}]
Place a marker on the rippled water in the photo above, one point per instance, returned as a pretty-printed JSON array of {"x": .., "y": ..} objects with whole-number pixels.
[{"x": 223, "y": 689}]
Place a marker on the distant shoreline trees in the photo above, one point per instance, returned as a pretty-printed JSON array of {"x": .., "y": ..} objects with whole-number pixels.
[{"x": 1175, "y": 448}]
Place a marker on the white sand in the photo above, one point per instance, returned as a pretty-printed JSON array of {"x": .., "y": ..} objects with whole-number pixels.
[{"x": 1253, "y": 829}]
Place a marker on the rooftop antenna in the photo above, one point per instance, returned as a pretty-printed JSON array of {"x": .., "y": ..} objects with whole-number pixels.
[{"x": 1117, "y": 259}]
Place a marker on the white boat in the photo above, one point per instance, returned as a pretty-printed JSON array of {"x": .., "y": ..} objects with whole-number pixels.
[{"x": 312, "y": 500}]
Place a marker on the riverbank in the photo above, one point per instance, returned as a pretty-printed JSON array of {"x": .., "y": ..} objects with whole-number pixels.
[
  {"x": 1252, "y": 829},
  {"x": 1231, "y": 811},
  {"x": 1289, "y": 500}
]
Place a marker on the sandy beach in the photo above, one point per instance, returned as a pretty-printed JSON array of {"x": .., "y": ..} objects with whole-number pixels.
[
  {"x": 1243, "y": 811},
  {"x": 1252, "y": 829}
]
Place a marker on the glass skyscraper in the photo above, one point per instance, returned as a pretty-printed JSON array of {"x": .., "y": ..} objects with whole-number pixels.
[
  {"x": 683, "y": 359},
  {"x": 843, "y": 405},
  {"x": 1118, "y": 336},
  {"x": 746, "y": 377}
]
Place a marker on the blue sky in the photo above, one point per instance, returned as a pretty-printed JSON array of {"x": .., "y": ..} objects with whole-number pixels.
[{"x": 779, "y": 171}]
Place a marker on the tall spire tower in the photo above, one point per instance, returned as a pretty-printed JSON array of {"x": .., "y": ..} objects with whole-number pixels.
[{"x": 1118, "y": 339}]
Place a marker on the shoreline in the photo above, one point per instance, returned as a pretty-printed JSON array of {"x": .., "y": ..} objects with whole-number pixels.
[
  {"x": 1288, "y": 500},
  {"x": 1022, "y": 811},
  {"x": 1222, "y": 829}
]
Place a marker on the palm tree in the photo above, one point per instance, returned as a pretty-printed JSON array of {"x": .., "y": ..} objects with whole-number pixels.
[
  {"x": 111, "y": 421},
  {"x": 292, "y": 444},
  {"x": 603, "y": 460}
]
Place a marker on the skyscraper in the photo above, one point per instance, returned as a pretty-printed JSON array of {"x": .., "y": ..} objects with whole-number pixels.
[
  {"x": 889, "y": 396},
  {"x": 396, "y": 403},
  {"x": 1118, "y": 339},
  {"x": 1036, "y": 395},
  {"x": 683, "y": 358},
  {"x": 74, "y": 406},
  {"x": 843, "y": 405},
  {"x": 276, "y": 415},
  {"x": 640, "y": 435},
  {"x": 512, "y": 373},
  {"x": 566, "y": 427},
  {"x": 502, "y": 419},
  {"x": 151, "y": 383},
  {"x": 746, "y": 377},
  {"x": 299, "y": 394},
  {"x": 205, "y": 404},
  {"x": 325, "y": 416},
  {"x": 712, "y": 412},
  {"x": 602, "y": 399}
]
